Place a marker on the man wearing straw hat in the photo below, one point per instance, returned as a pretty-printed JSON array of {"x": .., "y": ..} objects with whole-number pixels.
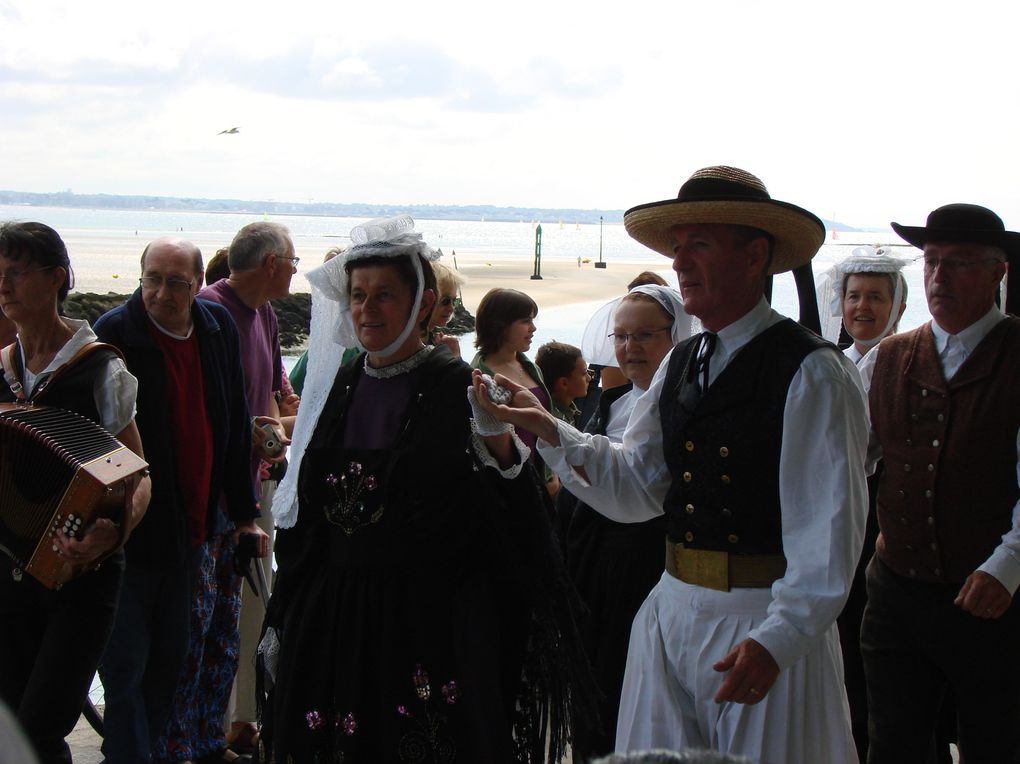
[
  {"x": 751, "y": 439},
  {"x": 941, "y": 614}
]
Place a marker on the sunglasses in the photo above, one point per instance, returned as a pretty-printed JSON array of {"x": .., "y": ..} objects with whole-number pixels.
[{"x": 446, "y": 302}]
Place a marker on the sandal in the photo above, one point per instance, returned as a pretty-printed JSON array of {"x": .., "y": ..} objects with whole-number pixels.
[{"x": 243, "y": 738}]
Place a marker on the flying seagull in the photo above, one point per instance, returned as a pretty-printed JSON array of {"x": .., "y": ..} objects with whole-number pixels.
[{"x": 231, "y": 131}]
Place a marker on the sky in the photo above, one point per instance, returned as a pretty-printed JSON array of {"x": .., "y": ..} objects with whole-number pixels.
[{"x": 864, "y": 112}]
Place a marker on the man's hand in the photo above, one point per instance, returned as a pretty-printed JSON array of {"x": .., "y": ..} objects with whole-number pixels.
[
  {"x": 525, "y": 410},
  {"x": 263, "y": 538},
  {"x": 259, "y": 437},
  {"x": 752, "y": 672},
  {"x": 983, "y": 596}
]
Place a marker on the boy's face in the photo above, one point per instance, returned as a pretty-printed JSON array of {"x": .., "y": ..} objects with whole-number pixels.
[{"x": 575, "y": 384}]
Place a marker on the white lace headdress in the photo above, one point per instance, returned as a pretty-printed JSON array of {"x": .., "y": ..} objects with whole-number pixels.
[
  {"x": 829, "y": 288},
  {"x": 597, "y": 348},
  {"x": 332, "y": 332}
]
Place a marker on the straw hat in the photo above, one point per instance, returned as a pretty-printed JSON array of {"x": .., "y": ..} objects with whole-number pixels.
[
  {"x": 730, "y": 196},
  {"x": 962, "y": 223}
]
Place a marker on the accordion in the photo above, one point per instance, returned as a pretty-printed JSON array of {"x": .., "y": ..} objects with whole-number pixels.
[{"x": 58, "y": 471}]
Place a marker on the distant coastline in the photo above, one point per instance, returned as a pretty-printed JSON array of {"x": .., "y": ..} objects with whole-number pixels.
[
  {"x": 470, "y": 212},
  {"x": 473, "y": 212}
]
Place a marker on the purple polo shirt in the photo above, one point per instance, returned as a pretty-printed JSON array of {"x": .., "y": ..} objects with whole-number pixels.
[{"x": 260, "y": 349}]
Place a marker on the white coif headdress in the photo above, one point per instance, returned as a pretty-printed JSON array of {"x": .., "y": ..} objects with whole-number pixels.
[
  {"x": 861, "y": 260},
  {"x": 383, "y": 237},
  {"x": 332, "y": 332},
  {"x": 597, "y": 348}
]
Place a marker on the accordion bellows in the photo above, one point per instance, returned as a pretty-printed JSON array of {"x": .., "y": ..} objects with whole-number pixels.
[{"x": 58, "y": 471}]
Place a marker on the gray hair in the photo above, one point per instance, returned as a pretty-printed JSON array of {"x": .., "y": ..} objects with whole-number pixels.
[
  {"x": 254, "y": 243},
  {"x": 660, "y": 756}
]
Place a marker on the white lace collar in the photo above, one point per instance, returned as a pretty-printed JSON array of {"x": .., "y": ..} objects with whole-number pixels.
[{"x": 401, "y": 367}]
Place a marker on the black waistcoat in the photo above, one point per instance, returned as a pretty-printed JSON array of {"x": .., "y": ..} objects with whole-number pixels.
[
  {"x": 71, "y": 389},
  {"x": 723, "y": 450}
]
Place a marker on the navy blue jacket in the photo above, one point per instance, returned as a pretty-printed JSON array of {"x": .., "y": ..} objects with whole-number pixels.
[{"x": 161, "y": 537}]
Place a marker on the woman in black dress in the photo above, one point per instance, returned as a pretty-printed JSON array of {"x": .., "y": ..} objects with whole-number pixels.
[{"x": 419, "y": 613}]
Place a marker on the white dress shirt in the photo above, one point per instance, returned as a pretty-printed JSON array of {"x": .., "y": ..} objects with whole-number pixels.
[
  {"x": 953, "y": 350},
  {"x": 823, "y": 493}
]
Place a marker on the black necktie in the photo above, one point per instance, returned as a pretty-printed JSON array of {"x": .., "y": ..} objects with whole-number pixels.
[{"x": 708, "y": 342}]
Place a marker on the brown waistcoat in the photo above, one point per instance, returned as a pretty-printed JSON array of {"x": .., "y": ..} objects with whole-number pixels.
[{"x": 950, "y": 448}]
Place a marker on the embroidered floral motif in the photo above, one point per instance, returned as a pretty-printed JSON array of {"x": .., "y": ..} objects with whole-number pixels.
[
  {"x": 350, "y": 510},
  {"x": 348, "y": 724},
  {"x": 427, "y": 743},
  {"x": 314, "y": 719},
  {"x": 451, "y": 692},
  {"x": 330, "y": 749}
]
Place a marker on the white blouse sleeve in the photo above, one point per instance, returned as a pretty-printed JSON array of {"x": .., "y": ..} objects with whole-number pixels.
[
  {"x": 627, "y": 481},
  {"x": 823, "y": 497},
  {"x": 115, "y": 391}
]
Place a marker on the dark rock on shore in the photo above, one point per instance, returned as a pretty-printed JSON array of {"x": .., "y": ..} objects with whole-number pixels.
[{"x": 294, "y": 313}]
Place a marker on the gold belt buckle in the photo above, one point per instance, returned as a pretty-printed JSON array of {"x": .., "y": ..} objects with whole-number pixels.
[{"x": 703, "y": 567}]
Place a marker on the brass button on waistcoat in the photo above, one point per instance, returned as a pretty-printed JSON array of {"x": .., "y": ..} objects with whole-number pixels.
[
  {"x": 688, "y": 536},
  {"x": 689, "y": 509},
  {"x": 931, "y": 468},
  {"x": 941, "y": 418},
  {"x": 689, "y": 445},
  {"x": 724, "y": 452},
  {"x": 906, "y": 468},
  {"x": 733, "y": 538},
  {"x": 924, "y": 394},
  {"x": 726, "y": 513},
  {"x": 928, "y": 493},
  {"x": 687, "y": 477},
  {"x": 935, "y": 443},
  {"x": 725, "y": 479}
]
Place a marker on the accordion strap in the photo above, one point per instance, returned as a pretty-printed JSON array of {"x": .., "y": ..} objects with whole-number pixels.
[
  {"x": 11, "y": 371},
  {"x": 14, "y": 381}
]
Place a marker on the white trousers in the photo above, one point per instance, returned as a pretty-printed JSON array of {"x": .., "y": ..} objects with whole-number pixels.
[{"x": 678, "y": 633}]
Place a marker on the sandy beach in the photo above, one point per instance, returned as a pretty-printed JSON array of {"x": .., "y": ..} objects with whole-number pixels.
[{"x": 109, "y": 261}]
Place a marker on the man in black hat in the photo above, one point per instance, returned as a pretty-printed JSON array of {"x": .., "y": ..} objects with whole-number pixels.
[
  {"x": 751, "y": 440},
  {"x": 946, "y": 417}
]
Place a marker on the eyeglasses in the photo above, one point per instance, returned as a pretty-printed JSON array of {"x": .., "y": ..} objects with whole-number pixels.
[
  {"x": 15, "y": 277},
  {"x": 446, "y": 302},
  {"x": 620, "y": 338},
  {"x": 154, "y": 283},
  {"x": 954, "y": 264},
  {"x": 294, "y": 260}
]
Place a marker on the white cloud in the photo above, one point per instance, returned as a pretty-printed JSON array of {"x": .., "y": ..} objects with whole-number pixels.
[{"x": 871, "y": 112}]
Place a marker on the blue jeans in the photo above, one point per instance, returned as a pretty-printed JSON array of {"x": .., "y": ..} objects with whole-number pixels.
[{"x": 144, "y": 659}]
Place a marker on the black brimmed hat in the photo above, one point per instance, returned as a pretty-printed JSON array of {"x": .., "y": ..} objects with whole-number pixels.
[
  {"x": 730, "y": 196},
  {"x": 962, "y": 223}
]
